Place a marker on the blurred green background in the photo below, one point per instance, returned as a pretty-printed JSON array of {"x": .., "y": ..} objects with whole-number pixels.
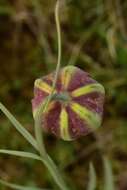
[{"x": 94, "y": 38}]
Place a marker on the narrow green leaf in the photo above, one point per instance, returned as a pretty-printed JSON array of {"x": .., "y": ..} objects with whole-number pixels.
[
  {"x": 20, "y": 154},
  {"x": 108, "y": 180},
  {"x": 18, "y": 187},
  {"x": 19, "y": 127},
  {"x": 92, "y": 178},
  {"x": 46, "y": 160}
]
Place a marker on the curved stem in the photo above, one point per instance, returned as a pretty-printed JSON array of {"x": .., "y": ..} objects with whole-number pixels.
[
  {"x": 44, "y": 105},
  {"x": 59, "y": 42},
  {"x": 38, "y": 119},
  {"x": 59, "y": 51}
]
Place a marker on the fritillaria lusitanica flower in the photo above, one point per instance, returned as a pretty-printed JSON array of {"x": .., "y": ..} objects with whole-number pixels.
[{"x": 78, "y": 107}]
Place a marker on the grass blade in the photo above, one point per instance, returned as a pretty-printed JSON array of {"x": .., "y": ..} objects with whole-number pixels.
[
  {"x": 92, "y": 178},
  {"x": 46, "y": 160},
  {"x": 108, "y": 180},
  {"x": 19, "y": 127},
  {"x": 20, "y": 154},
  {"x": 18, "y": 187}
]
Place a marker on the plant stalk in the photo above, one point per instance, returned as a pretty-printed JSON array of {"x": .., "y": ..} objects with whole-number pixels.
[
  {"x": 59, "y": 51},
  {"x": 40, "y": 114}
]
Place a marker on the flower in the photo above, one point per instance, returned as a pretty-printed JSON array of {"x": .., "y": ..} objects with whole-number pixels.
[{"x": 77, "y": 106}]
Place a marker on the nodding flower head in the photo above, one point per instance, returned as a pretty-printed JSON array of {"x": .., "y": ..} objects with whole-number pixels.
[{"x": 77, "y": 108}]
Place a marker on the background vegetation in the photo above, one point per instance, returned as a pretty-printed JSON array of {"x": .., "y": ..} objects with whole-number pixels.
[{"x": 94, "y": 36}]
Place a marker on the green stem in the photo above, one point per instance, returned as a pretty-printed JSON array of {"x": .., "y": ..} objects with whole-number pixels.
[
  {"x": 55, "y": 172},
  {"x": 44, "y": 105},
  {"x": 59, "y": 51},
  {"x": 38, "y": 129},
  {"x": 39, "y": 116},
  {"x": 59, "y": 42}
]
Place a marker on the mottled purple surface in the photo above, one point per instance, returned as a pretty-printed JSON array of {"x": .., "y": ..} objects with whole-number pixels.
[
  {"x": 49, "y": 80},
  {"x": 77, "y": 126},
  {"x": 79, "y": 79},
  {"x": 51, "y": 120},
  {"x": 93, "y": 101},
  {"x": 39, "y": 96}
]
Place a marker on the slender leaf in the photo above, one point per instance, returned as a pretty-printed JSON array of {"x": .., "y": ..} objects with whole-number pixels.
[
  {"x": 92, "y": 178},
  {"x": 20, "y": 154},
  {"x": 18, "y": 187},
  {"x": 108, "y": 180},
  {"x": 46, "y": 160},
  {"x": 19, "y": 127}
]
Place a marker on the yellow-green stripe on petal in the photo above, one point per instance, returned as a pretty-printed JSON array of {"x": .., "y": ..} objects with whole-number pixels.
[
  {"x": 66, "y": 75},
  {"x": 91, "y": 118},
  {"x": 88, "y": 89},
  {"x": 43, "y": 86},
  {"x": 64, "y": 133}
]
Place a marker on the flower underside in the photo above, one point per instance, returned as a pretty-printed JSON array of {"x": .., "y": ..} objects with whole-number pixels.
[{"x": 77, "y": 104}]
